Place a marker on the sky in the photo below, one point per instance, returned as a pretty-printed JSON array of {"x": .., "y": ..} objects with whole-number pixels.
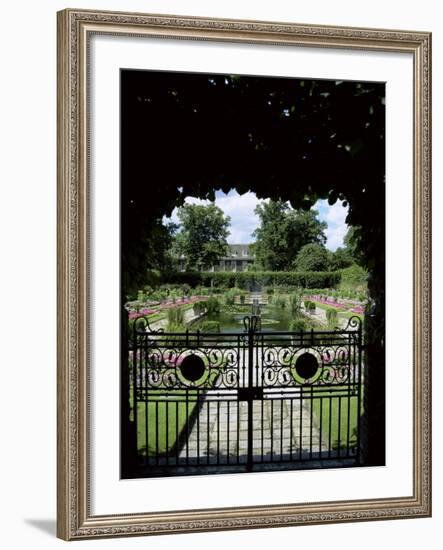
[{"x": 240, "y": 208}]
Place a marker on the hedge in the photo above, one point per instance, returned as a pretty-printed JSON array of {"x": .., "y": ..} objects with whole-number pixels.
[{"x": 248, "y": 279}]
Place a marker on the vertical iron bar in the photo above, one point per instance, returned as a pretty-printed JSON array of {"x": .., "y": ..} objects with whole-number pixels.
[
  {"x": 262, "y": 429},
  {"x": 167, "y": 429},
  {"x": 339, "y": 425},
  {"x": 359, "y": 378},
  {"x": 197, "y": 405},
  {"x": 156, "y": 433},
  {"x": 218, "y": 430},
  {"x": 320, "y": 435},
  {"x": 187, "y": 427},
  {"x": 330, "y": 425},
  {"x": 351, "y": 379},
  {"x": 238, "y": 431},
  {"x": 281, "y": 428},
  {"x": 291, "y": 429},
  {"x": 250, "y": 386},
  {"x": 177, "y": 447},
  {"x": 311, "y": 403},
  {"x": 207, "y": 431},
  {"x": 134, "y": 391},
  {"x": 300, "y": 448},
  {"x": 228, "y": 405},
  {"x": 144, "y": 384},
  {"x": 272, "y": 429}
]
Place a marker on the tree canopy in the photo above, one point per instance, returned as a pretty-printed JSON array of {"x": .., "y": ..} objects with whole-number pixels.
[
  {"x": 340, "y": 259},
  {"x": 202, "y": 239},
  {"x": 351, "y": 242},
  {"x": 312, "y": 257},
  {"x": 282, "y": 232}
]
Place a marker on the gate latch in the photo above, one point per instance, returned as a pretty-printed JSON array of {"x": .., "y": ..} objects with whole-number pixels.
[{"x": 250, "y": 394}]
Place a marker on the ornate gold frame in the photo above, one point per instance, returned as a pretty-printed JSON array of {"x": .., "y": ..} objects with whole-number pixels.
[{"x": 74, "y": 518}]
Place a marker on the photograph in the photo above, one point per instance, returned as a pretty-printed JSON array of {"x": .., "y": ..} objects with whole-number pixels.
[
  {"x": 252, "y": 273},
  {"x": 243, "y": 306}
]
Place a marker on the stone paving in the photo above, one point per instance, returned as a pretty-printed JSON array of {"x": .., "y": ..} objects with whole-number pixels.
[{"x": 221, "y": 431}]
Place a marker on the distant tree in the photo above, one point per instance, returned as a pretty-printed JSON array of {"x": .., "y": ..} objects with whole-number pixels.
[
  {"x": 202, "y": 238},
  {"x": 312, "y": 257},
  {"x": 283, "y": 231},
  {"x": 340, "y": 259},
  {"x": 154, "y": 255},
  {"x": 354, "y": 277},
  {"x": 352, "y": 243}
]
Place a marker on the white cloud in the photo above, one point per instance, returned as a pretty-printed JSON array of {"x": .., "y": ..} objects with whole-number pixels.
[
  {"x": 335, "y": 236},
  {"x": 334, "y": 216}
]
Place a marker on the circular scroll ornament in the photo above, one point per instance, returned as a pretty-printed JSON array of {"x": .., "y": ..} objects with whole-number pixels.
[
  {"x": 306, "y": 366},
  {"x": 192, "y": 368}
]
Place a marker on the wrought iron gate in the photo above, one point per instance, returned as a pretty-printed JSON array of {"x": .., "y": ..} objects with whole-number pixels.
[{"x": 204, "y": 402}]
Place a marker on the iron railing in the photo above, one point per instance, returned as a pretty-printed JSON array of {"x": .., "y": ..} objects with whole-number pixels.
[{"x": 206, "y": 402}]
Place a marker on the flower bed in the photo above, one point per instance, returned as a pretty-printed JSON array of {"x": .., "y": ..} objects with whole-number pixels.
[
  {"x": 339, "y": 305},
  {"x": 165, "y": 306}
]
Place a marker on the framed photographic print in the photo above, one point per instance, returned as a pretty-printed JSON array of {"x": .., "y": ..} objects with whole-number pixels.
[{"x": 244, "y": 274}]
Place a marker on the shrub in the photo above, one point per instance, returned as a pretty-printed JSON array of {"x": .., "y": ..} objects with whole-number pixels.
[
  {"x": 175, "y": 316},
  {"x": 153, "y": 296},
  {"x": 297, "y": 325},
  {"x": 310, "y": 306},
  {"x": 242, "y": 298},
  {"x": 212, "y": 306},
  {"x": 186, "y": 289},
  {"x": 140, "y": 296},
  {"x": 148, "y": 290},
  {"x": 331, "y": 317},
  {"x": 230, "y": 296},
  {"x": 353, "y": 276},
  {"x": 280, "y": 301},
  {"x": 295, "y": 301}
]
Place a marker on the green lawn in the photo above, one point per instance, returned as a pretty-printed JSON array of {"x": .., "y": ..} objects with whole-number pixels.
[
  {"x": 342, "y": 313},
  {"x": 161, "y": 421},
  {"x": 162, "y": 418},
  {"x": 328, "y": 410}
]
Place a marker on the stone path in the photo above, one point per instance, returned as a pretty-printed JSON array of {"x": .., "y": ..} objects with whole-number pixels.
[{"x": 220, "y": 432}]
